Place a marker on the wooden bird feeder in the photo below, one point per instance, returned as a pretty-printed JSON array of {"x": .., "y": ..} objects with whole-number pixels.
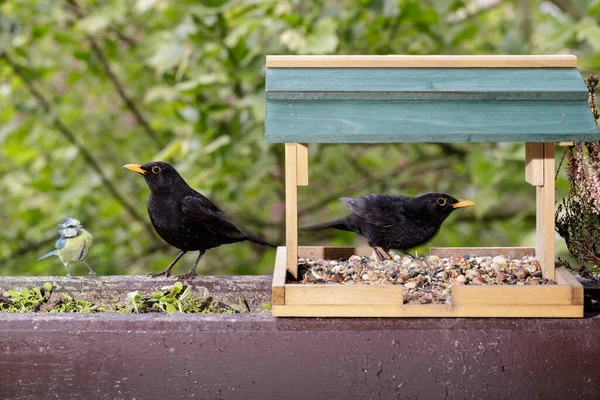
[{"x": 539, "y": 100}]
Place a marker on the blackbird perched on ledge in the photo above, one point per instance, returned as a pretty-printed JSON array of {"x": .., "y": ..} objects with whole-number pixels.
[
  {"x": 183, "y": 217},
  {"x": 395, "y": 221}
]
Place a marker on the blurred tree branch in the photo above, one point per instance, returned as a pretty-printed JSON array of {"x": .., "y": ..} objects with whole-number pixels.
[
  {"x": 569, "y": 7},
  {"x": 119, "y": 87},
  {"x": 75, "y": 9},
  {"x": 70, "y": 136}
]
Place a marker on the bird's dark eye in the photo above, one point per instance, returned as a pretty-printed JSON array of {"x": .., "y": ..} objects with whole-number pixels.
[
  {"x": 442, "y": 201},
  {"x": 155, "y": 169}
]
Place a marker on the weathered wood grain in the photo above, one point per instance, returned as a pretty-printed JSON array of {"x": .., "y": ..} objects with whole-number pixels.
[
  {"x": 420, "y": 121},
  {"x": 424, "y": 84}
]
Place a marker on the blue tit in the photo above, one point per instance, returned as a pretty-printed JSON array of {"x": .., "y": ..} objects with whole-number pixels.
[{"x": 73, "y": 244}]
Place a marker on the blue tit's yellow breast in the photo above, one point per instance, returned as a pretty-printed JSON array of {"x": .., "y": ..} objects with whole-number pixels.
[{"x": 76, "y": 248}]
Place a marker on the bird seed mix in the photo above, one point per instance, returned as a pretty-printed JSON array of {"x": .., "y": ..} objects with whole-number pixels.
[{"x": 425, "y": 280}]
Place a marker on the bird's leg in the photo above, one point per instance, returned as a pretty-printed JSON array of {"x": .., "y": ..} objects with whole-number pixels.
[
  {"x": 192, "y": 273},
  {"x": 167, "y": 272},
  {"x": 377, "y": 252},
  {"x": 410, "y": 255},
  {"x": 386, "y": 251},
  {"x": 92, "y": 272},
  {"x": 68, "y": 271}
]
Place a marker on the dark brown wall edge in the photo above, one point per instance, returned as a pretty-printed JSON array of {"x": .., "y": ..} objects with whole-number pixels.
[{"x": 253, "y": 356}]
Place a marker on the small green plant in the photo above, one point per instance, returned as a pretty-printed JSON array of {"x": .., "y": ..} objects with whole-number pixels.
[
  {"x": 173, "y": 299},
  {"x": 68, "y": 305},
  {"x": 37, "y": 299},
  {"x": 27, "y": 300}
]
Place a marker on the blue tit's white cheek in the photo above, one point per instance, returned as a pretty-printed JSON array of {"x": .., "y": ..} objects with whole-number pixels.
[{"x": 68, "y": 232}]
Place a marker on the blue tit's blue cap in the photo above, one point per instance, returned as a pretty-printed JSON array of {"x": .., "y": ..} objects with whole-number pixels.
[{"x": 69, "y": 222}]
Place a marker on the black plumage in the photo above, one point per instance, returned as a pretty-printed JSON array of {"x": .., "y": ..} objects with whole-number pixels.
[
  {"x": 184, "y": 218},
  {"x": 395, "y": 221}
]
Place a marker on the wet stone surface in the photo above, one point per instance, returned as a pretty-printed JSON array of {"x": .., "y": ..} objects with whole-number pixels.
[{"x": 425, "y": 280}]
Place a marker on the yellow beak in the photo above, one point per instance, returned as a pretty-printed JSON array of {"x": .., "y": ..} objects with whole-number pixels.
[
  {"x": 135, "y": 168},
  {"x": 463, "y": 203}
]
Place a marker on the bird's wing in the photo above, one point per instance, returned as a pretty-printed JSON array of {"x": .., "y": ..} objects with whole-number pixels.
[
  {"x": 378, "y": 210},
  {"x": 60, "y": 243},
  {"x": 213, "y": 219}
]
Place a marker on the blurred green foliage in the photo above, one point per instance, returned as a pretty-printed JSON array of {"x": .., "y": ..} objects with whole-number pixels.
[{"x": 87, "y": 86}]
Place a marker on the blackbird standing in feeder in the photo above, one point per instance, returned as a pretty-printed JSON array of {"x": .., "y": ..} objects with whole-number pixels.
[
  {"x": 395, "y": 221},
  {"x": 184, "y": 218}
]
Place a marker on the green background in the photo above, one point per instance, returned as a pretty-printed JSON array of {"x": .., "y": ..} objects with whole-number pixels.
[{"x": 88, "y": 86}]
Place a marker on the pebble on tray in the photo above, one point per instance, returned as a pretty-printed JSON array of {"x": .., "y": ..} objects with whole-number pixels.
[{"x": 425, "y": 280}]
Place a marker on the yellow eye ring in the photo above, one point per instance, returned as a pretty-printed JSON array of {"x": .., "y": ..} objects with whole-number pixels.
[
  {"x": 442, "y": 201},
  {"x": 155, "y": 169}
]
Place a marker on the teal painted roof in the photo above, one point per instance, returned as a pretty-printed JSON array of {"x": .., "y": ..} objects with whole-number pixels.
[{"x": 398, "y": 104}]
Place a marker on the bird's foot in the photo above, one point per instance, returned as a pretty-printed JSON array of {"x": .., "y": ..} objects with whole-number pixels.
[
  {"x": 166, "y": 273},
  {"x": 68, "y": 275},
  {"x": 379, "y": 256},
  {"x": 93, "y": 274},
  {"x": 189, "y": 275}
]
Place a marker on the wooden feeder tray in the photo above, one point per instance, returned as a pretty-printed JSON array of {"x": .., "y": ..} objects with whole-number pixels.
[
  {"x": 565, "y": 299},
  {"x": 539, "y": 100}
]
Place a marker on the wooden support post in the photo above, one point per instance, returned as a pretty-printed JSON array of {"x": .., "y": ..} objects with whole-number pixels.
[
  {"x": 302, "y": 163},
  {"x": 291, "y": 207},
  {"x": 278, "y": 285},
  {"x": 545, "y": 214},
  {"x": 534, "y": 163}
]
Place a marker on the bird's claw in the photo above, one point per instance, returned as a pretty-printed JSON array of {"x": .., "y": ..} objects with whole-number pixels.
[
  {"x": 93, "y": 274},
  {"x": 68, "y": 275},
  {"x": 189, "y": 275},
  {"x": 166, "y": 274}
]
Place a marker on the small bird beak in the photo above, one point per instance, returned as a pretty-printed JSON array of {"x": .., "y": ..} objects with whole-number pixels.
[
  {"x": 463, "y": 203},
  {"x": 135, "y": 168}
]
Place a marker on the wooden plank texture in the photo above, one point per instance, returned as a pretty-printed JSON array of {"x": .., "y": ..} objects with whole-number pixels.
[
  {"x": 510, "y": 252},
  {"x": 522, "y": 311},
  {"x": 302, "y": 163},
  {"x": 564, "y": 277},
  {"x": 279, "y": 274},
  {"x": 544, "y": 215},
  {"x": 419, "y": 121},
  {"x": 534, "y": 163},
  {"x": 424, "y": 84},
  {"x": 434, "y": 61},
  {"x": 291, "y": 208},
  {"x": 311, "y": 294},
  {"x": 512, "y": 295},
  {"x": 332, "y": 253}
]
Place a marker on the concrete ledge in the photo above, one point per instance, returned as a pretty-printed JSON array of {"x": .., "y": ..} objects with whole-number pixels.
[
  {"x": 256, "y": 356},
  {"x": 108, "y": 290}
]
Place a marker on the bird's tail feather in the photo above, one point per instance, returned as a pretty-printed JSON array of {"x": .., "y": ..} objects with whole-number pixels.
[
  {"x": 337, "y": 224},
  {"x": 259, "y": 241},
  {"x": 52, "y": 253}
]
